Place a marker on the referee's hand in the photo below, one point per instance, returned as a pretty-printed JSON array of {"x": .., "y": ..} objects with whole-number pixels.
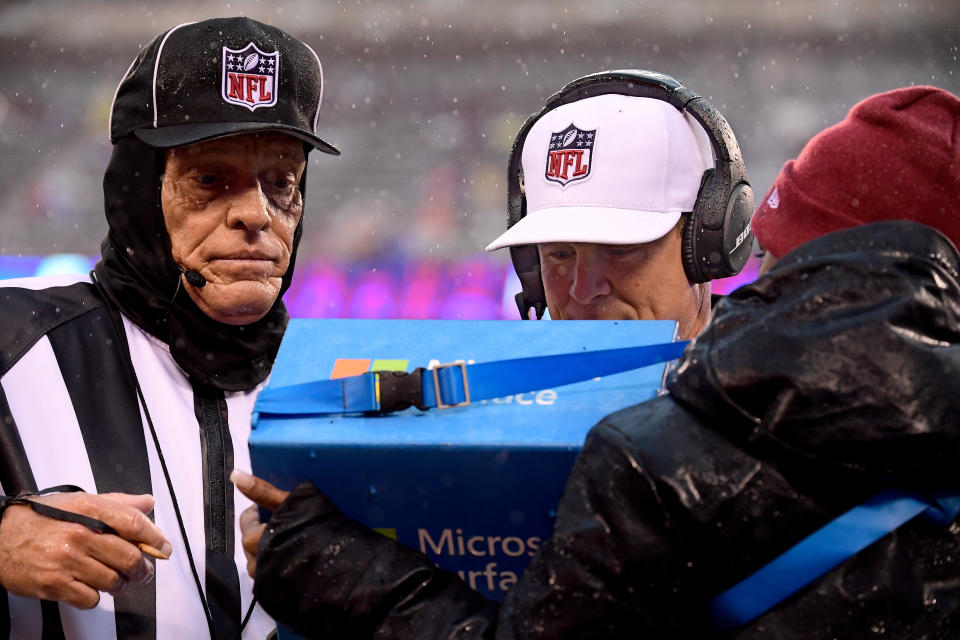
[{"x": 50, "y": 559}]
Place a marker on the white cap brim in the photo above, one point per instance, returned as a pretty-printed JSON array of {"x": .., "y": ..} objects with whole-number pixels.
[{"x": 599, "y": 225}]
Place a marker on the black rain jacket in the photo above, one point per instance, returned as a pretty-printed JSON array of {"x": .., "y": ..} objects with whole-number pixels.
[{"x": 831, "y": 378}]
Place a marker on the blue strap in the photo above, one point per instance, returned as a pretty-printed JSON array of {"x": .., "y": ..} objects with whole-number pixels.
[
  {"x": 824, "y": 549},
  {"x": 344, "y": 395},
  {"x": 461, "y": 382}
]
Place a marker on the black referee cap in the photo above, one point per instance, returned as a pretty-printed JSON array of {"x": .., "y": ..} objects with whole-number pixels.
[{"x": 219, "y": 77}]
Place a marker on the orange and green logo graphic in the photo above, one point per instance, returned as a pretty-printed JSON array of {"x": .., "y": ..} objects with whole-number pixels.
[{"x": 346, "y": 367}]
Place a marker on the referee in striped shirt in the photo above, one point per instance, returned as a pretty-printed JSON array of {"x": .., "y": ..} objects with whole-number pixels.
[{"x": 125, "y": 395}]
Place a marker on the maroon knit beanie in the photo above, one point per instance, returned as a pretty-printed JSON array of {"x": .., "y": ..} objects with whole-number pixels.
[{"x": 896, "y": 156}]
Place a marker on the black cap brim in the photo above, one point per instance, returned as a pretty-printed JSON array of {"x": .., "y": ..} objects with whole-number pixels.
[{"x": 179, "y": 135}]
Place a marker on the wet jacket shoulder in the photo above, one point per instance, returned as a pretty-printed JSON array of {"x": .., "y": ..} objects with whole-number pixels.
[{"x": 823, "y": 383}]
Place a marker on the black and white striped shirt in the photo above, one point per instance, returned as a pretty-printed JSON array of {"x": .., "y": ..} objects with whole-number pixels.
[{"x": 69, "y": 414}]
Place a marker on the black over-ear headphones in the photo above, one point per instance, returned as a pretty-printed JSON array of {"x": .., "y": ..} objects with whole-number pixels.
[{"x": 716, "y": 235}]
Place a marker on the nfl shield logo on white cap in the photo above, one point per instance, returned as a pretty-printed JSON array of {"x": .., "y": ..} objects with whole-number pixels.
[
  {"x": 651, "y": 164},
  {"x": 569, "y": 156},
  {"x": 250, "y": 77}
]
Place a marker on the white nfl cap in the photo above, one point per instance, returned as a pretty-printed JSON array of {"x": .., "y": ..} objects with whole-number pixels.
[{"x": 610, "y": 169}]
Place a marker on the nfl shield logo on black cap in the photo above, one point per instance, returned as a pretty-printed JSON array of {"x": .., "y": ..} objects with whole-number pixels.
[
  {"x": 178, "y": 91},
  {"x": 250, "y": 77},
  {"x": 570, "y": 154}
]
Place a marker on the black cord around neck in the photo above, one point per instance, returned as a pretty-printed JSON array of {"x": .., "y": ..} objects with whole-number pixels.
[{"x": 121, "y": 334}]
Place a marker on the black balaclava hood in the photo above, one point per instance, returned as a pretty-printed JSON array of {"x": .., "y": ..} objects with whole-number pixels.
[
  {"x": 139, "y": 276},
  {"x": 183, "y": 88}
]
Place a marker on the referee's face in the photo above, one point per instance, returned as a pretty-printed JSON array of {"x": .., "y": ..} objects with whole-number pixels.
[{"x": 231, "y": 207}]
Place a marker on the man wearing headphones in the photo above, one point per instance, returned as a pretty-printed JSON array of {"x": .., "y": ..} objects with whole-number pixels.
[
  {"x": 617, "y": 208},
  {"x": 777, "y": 491}
]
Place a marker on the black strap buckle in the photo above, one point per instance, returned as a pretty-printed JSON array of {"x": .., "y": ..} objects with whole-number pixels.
[{"x": 399, "y": 390}]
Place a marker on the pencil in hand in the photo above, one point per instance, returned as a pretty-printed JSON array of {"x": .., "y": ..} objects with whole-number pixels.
[{"x": 153, "y": 551}]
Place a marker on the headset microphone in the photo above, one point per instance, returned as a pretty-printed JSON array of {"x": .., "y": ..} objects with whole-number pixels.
[{"x": 193, "y": 277}]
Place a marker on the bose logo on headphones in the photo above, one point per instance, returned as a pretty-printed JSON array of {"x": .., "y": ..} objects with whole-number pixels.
[{"x": 740, "y": 238}]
